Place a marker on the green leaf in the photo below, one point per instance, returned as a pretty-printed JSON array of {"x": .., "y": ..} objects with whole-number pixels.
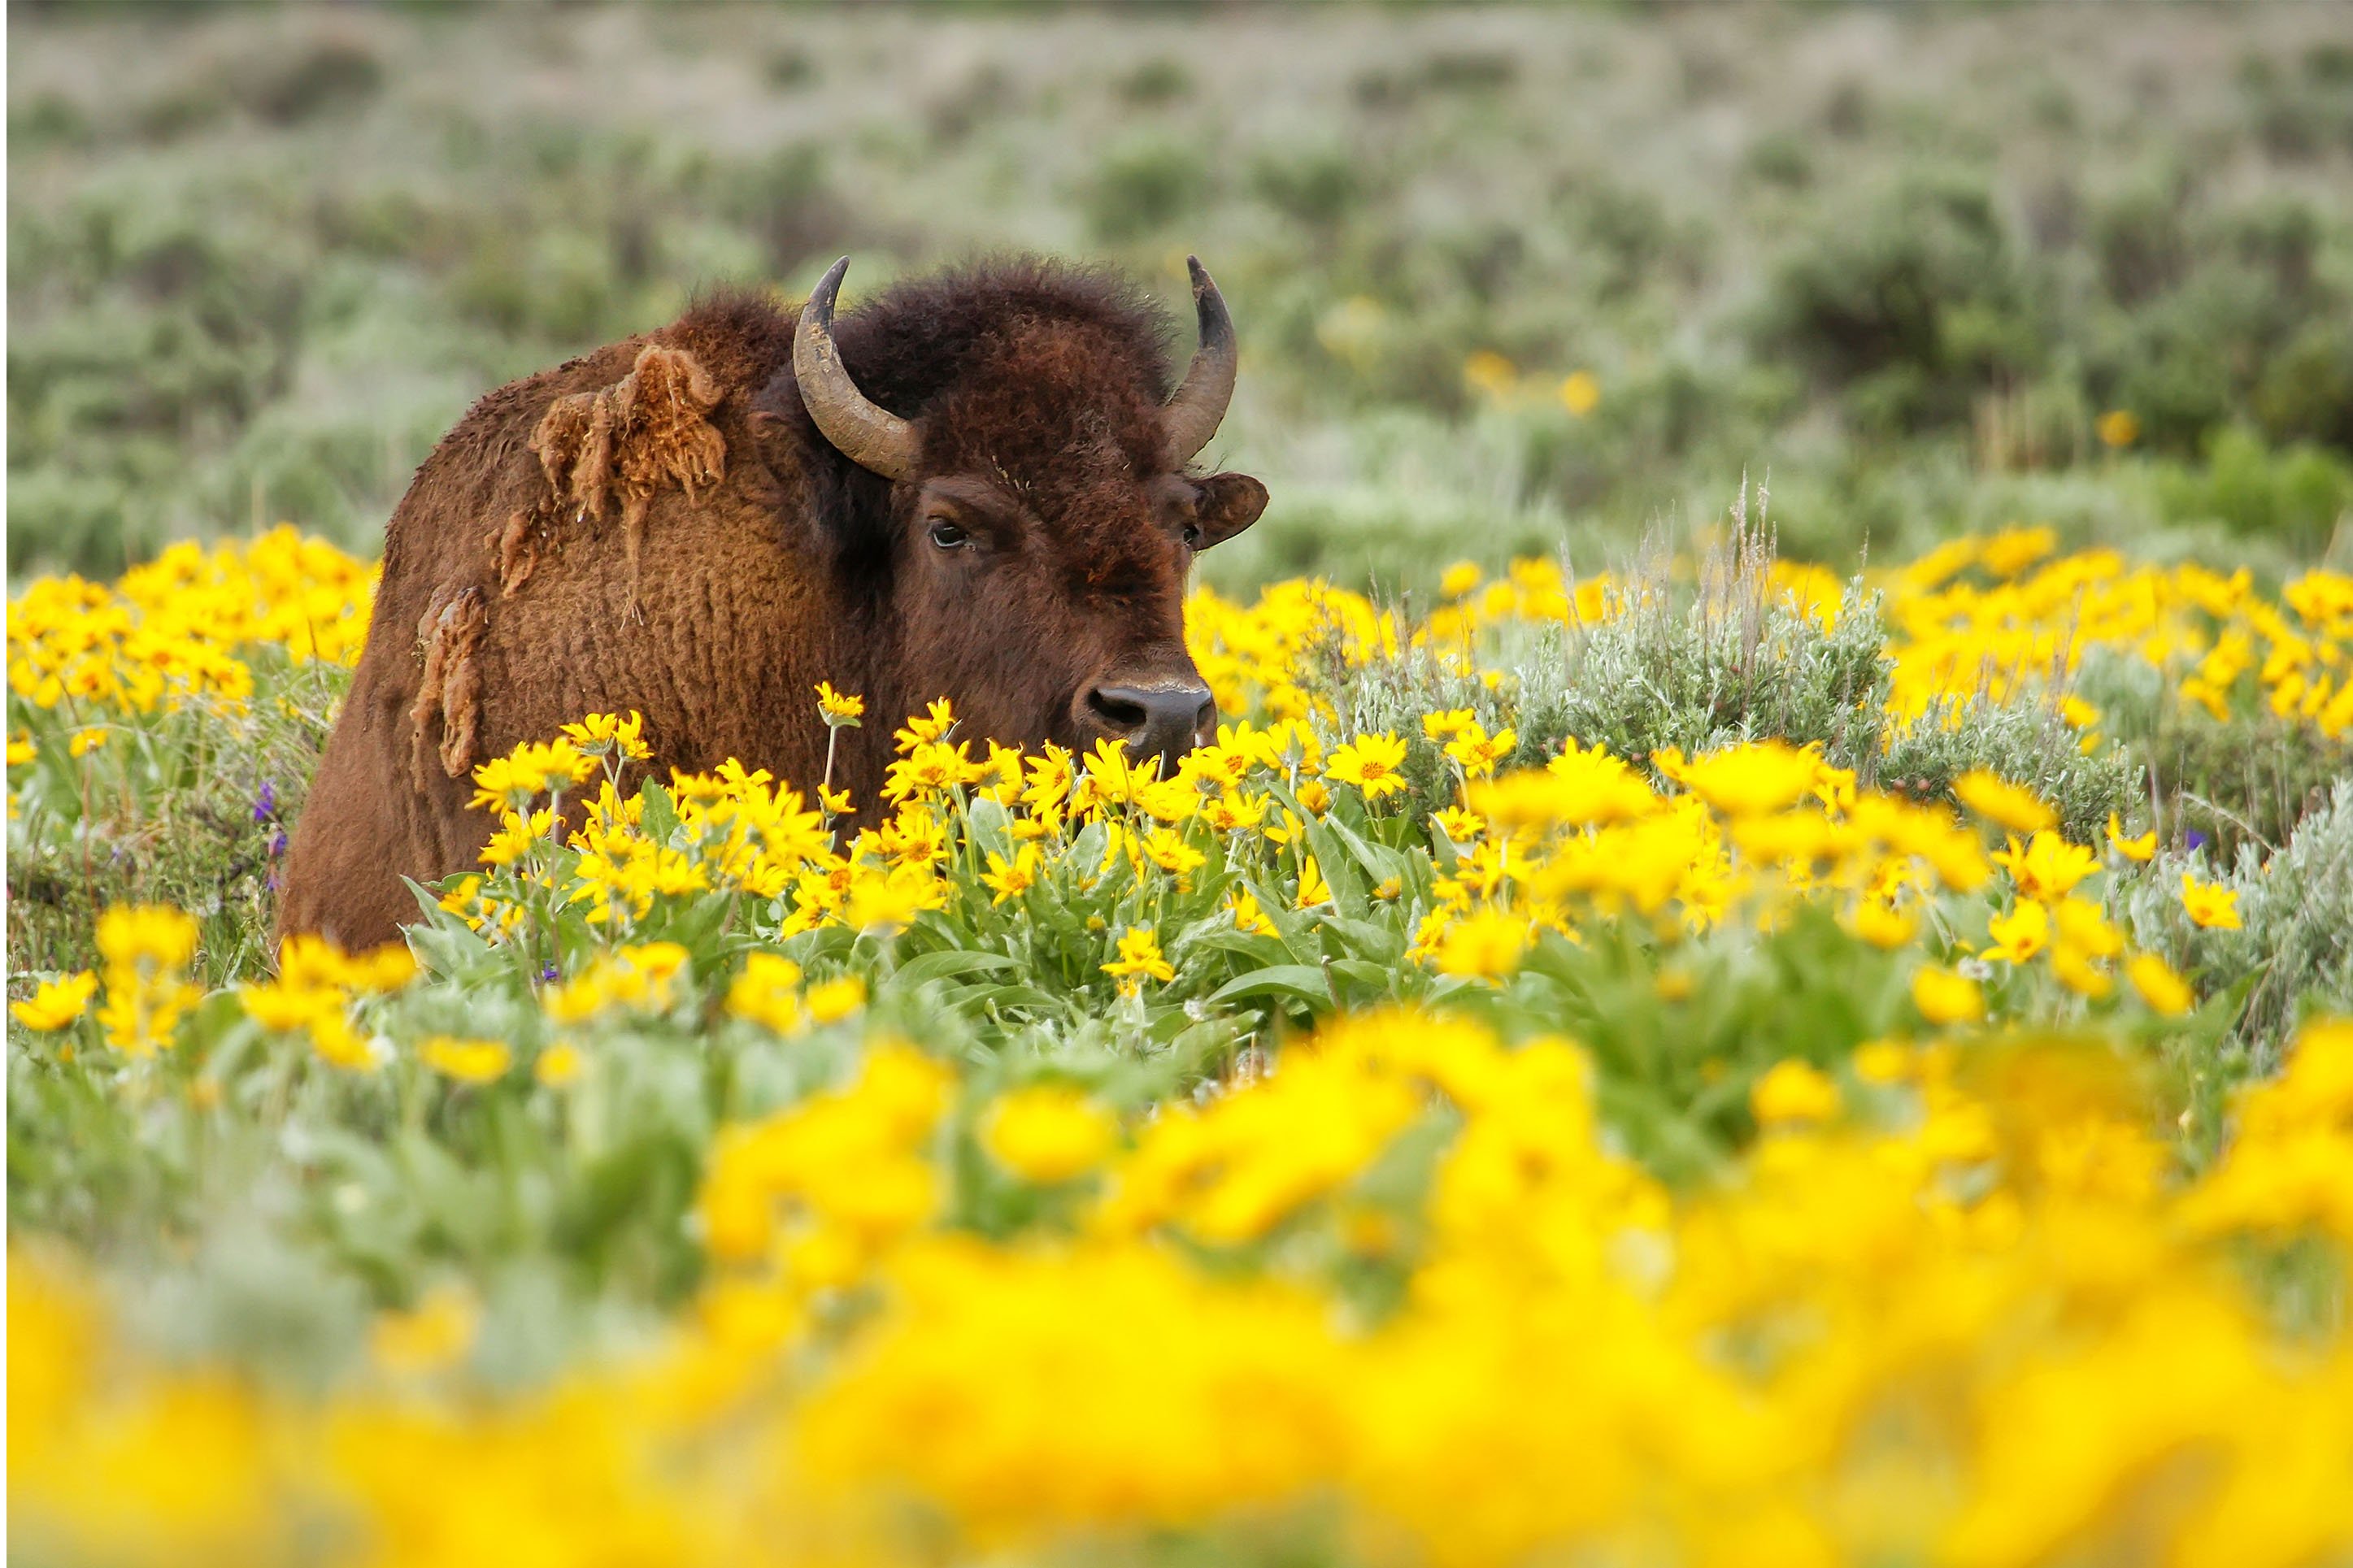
[
  {"x": 1301, "y": 980},
  {"x": 917, "y": 973}
]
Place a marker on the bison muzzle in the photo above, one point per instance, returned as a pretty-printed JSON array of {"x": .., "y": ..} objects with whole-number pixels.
[{"x": 980, "y": 486}]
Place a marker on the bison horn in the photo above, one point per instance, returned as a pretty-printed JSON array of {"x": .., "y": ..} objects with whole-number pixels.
[
  {"x": 1199, "y": 404},
  {"x": 862, "y": 430}
]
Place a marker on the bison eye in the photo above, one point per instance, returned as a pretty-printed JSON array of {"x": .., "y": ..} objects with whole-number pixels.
[
  {"x": 1192, "y": 536},
  {"x": 947, "y": 535}
]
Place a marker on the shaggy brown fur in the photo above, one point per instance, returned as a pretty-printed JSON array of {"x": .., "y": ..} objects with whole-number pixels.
[{"x": 753, "y": 559}]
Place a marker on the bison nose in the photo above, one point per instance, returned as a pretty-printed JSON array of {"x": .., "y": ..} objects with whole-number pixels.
[{"x": 1163, "y": 721}]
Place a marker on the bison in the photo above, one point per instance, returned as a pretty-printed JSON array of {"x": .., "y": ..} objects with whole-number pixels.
[{"x": 979, "y": 485}]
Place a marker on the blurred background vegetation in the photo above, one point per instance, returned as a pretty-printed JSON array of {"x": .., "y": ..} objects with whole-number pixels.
[{"x": 1506, "y": 279}]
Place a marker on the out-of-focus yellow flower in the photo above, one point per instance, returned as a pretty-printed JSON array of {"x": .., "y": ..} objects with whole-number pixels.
[
  {"x": 21, "y": 749},
  {"x": 468, "y": 1061},
  {"x": 558, "y": 1066},
  {"x": 1749, "y": 780},
  {"x": 54, "y": 1003},
  {"x": 1459, "y": 579},
  {"x": 2159, "y": 986},
  {"x": 1490, "y": 374},
  {"x": 2209, "y": 904},
  {"x": 288, "y": 1007},
  {"x": 1882, "y": 925},
  {"x": 1047, "y": 1133},
  {"x": 341, "y": 1045},
  {"x": 2047, "y": 867},
  {"x": 147, "y": 950},
  {"x": 2141, "y": 849},
  {"x": 2003, "y": 803},
  {"x": 836, "y": 999},
  {"x": 2083, "y": 926},
  {"x": 1885, "y": 1062},
  {"x": 429, "y": 1337},
  {"x": 1580, "y": 393},
  {"x": 83, "y": 741},
  {"x": 2019, "y": 935},
  {"x": 1485, "y": 945},
  {"x": 2077, "y": 972},
  {"x": 131, "y": 935},
  {"x": 1945, "y": 998},
  {"x": 766, "y": 991},
  {"x": 2012, "y": 549},
  {"x": 2119, "y": 427},
  {"x": 1792, "y": 1090}
]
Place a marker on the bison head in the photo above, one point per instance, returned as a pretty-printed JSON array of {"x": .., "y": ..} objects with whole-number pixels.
[{"x": 1029, "y": 556}]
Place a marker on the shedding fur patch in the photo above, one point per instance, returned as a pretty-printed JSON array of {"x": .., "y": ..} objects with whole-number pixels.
[
  {"x": 649, "y": 429},
  {"x": 514, "y": 549},
  {"x": 451, "y": 686}
]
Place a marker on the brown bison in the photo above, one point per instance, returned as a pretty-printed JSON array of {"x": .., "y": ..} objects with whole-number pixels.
[{"x": 977, "y": 486}]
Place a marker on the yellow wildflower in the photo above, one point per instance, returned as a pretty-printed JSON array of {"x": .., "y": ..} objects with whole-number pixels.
[
  {"x": 838, "y": 710},
  {"x": 55, "y": 1002},
  {"x": 1249, "y": 918},
  {"x": 1373, "y": 764},
  {"x": 1445, "y": 725},
  {"x": 1008, "y": 880},
  {"x": 2019, "y": 935},
  {"x": 2209, "y": 904},
  {"x": 2048, "y": 867},
  {"x": 1140, "y": 958},
  {"x": 601, "y": 732}
]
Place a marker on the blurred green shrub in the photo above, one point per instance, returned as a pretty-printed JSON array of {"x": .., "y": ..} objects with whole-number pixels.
[
  {"x": 1906, "y": 304},
  {"x": 2299, "y": 492},
  {"x": 1143, "y": 184}
]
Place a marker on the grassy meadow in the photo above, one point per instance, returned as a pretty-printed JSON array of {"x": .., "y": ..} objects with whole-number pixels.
[{"x": 1759, "y": 972}]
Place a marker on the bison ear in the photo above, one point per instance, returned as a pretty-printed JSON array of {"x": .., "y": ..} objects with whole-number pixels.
[{"x": 1229, "y": 503}]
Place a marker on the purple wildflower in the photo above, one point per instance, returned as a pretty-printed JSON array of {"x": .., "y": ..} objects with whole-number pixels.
[{"x": 265, "y": 805}]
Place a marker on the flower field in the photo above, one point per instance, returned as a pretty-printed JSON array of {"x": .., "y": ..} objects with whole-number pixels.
[{"x": 1712, "y": 1064}]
